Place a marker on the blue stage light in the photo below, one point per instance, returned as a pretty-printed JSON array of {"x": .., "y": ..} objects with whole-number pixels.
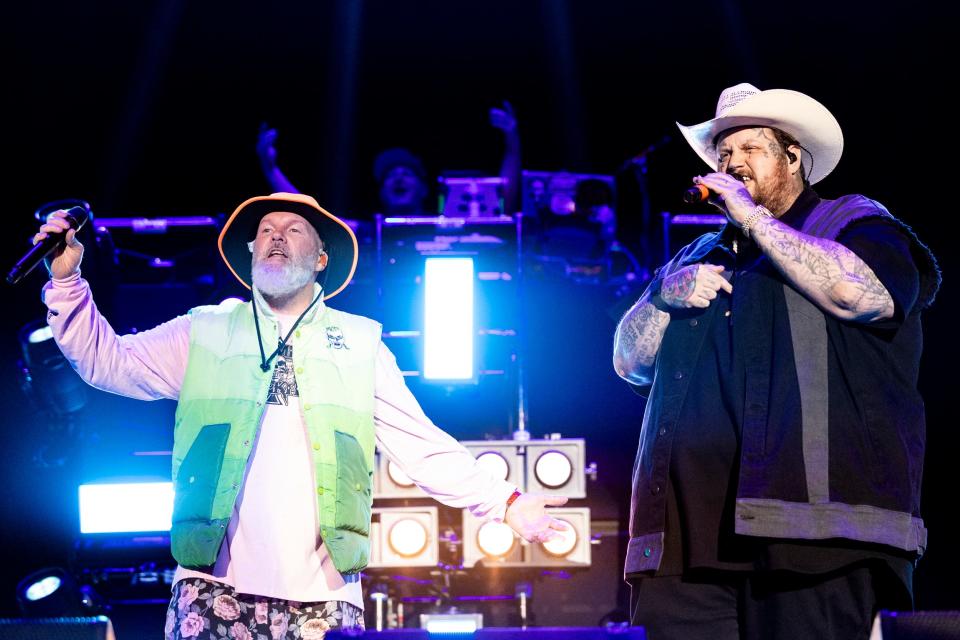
[
  {"x": 448, "y": 319},
  {"x": 42, "y": 588},
  {"x": 126, "y": 507},
  {"x": 451, "y": 623},
  {"x": 39, "y": 335},
  {"x": 50, "y": 592},
  {"x": 49, "y": 378}
]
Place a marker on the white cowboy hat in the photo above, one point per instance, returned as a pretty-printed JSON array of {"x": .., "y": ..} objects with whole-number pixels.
[{"x": 797, "y": 114}]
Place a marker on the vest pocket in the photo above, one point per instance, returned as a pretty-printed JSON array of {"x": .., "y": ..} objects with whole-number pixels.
[
  {"x": 199, "y": 473},
  {"x": 354, "y": 482}
]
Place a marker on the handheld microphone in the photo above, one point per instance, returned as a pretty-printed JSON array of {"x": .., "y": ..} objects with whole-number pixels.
[
  {"x": 695, "y": 194},
  {"x": 76, "y": 216}
]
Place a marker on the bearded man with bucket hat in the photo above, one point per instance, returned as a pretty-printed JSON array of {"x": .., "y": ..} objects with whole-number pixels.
[
  {"x": 776, "y": 488},
  {"x": 281, "y": 401}
]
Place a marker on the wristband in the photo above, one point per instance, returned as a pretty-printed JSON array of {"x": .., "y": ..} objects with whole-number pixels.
[{"x": 513, "y": 497}]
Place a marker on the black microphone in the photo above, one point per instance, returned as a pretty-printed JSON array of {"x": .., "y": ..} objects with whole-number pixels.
[
  {"x": 76, "y": 216},
  {"x": 695, "y": 194}
]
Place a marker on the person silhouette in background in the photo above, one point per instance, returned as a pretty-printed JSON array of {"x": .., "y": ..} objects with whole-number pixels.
[{"x": 401, "y": 178}]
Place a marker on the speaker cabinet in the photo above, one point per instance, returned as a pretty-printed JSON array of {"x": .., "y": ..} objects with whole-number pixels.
[{"x": 94, "y": 628}]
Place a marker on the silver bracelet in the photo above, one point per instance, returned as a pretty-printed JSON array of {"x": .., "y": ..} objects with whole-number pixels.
[{"x": 760, "y": 212}]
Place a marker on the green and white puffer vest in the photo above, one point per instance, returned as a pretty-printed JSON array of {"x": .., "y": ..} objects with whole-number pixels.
[{"x": 221, "y": 403}]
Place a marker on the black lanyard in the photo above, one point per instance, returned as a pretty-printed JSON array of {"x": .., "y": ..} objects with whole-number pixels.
[{"x": 264, "y": 361}]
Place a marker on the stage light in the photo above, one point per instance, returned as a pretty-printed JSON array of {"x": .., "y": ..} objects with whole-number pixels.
[
  {"x": 404, "y": 537},
  {"x": 407, "y": 538},
  {"x": 389, "y": 480},
  {"x": 452, "y": 623},
  {"x": 502, "y": 457},
  {"x": 553, "y": 469},
  {"x": 39, "y": 335},
  {"x": 495, "y": 539},
  {"x": 448, "y": 319},
  {"x": 49, "y": 592},
  {"x": 42, "y": 588},
  {"x": 397, "y": 476},
  {"x": 489, "y": 543},
  {"x": 126, "y": 507},
  {"x": 570, "y": 548},
  {"x": 49, "y": 378},
  {"x": 496, "y": 463},
  {"x": 561, "y": 544},
  {"x": 557, "y": 466},
  {"x": 493, "y": 544}
]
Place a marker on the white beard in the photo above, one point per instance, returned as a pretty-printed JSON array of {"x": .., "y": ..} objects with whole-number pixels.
[{"x": 282, "y": 280}]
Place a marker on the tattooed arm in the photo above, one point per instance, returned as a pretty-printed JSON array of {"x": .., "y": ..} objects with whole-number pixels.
[
  {"x": 637, "y": 340},
  {"x": 641, "y": 330},
  {"x": 828, "y": 273}
]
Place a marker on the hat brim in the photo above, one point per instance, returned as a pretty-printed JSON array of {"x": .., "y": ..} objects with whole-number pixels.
[
  {"x": 795, "y": 113},
  {"x": 339, "y": 241}
]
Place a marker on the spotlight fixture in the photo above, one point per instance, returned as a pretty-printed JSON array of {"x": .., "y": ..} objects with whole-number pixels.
[
  {"x": 557, "y": 466},
  {"x": 568, "y": 548},
  {"x": 563, "y": 542},
  {"x": 553, "y": 469},
  {"x": 48, "y": 376},
  {"x": 503, "y": 457},
  {"x": 490, "y": 543},
  {"x": 495, "y": 539},
  {"x": 390, "y": 481},
  {"x": 404, "y": 537},
  {"x": 49, "y": 593},
  {"x": 494, "y": 544},
  {"x": 397, "y": 476},
  {"x": 408, "y": 537},
  {"x": 495, "y": 463}
]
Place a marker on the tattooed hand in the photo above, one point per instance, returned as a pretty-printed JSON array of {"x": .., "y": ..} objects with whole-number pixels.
[
  {"x": 734, "y": 199},
  {"x": 694, "y": 286}
]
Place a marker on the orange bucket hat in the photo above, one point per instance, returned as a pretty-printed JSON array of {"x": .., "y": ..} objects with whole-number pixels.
[{"x": 338, "y": 238}]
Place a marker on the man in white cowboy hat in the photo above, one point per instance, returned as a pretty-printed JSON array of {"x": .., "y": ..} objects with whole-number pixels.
[
  {"x": 281, "y": 401},
  {"x": 776, "y": 490}
]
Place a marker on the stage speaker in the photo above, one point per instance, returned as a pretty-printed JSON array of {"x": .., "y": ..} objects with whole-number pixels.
[
  {"x": 925, "y": 625},
  {"x": 504, "y": 633},
  {"x": 93, "y": 628}
]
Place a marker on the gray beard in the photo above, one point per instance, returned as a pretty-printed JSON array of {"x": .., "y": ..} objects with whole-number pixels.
[{"x": 281, "y": 281}]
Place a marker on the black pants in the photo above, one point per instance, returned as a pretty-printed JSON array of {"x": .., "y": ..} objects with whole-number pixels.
[{"x": 768, "y": 606}]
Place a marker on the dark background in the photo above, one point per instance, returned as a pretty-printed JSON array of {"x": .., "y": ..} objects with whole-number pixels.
[{"x": 152, "y": 109}]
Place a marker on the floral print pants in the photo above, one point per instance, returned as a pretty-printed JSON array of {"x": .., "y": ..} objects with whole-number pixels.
[{"x": 212, "y": 611}]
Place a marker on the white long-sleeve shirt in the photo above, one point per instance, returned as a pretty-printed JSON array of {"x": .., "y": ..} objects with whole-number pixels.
[{"x": 273, "y": 546}]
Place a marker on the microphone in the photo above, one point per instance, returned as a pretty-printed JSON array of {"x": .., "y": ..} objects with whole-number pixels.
[
  {"x": 695, "y": 194},
  {"x": 76, "y": 216}
]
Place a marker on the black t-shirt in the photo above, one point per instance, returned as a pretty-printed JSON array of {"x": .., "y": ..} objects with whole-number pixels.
[{"x": 699, "y": 531}]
